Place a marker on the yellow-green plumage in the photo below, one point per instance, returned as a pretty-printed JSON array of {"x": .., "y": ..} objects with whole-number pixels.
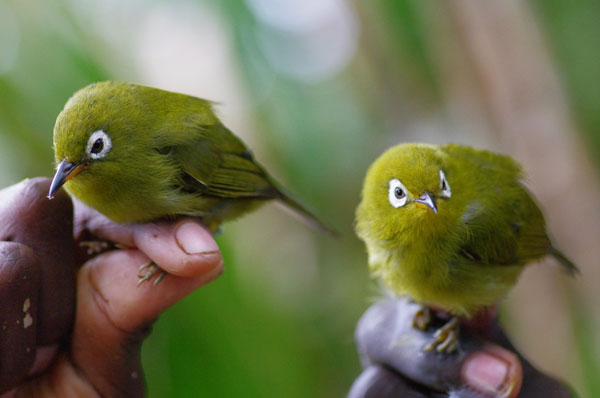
[
  {"x": 468, "y": 254},
  {"x": 169, "y": 156}
]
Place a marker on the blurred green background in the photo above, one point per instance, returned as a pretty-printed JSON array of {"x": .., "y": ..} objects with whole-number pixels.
[{"x": 318, "y": 88}]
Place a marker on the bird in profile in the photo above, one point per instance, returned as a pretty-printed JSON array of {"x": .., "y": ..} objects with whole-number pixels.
[{"x": 138, "y": 154}]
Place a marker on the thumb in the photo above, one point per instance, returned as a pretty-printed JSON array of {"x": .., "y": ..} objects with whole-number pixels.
[{"x": 493, "y": 370}]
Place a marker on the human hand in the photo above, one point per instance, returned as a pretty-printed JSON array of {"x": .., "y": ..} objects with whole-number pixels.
[
  {"x": 396, "y": 366},
  {"x": 71, "y": 325}
]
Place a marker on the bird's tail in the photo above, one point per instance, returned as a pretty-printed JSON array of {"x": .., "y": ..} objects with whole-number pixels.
[
  {"x": 294, "y": 205},
  {"x": 568, "y": 265},
  {"x": 305, "y": 214}
]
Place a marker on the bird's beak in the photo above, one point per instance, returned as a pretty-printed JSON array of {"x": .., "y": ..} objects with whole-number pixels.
[
  {"x": 426, "y": 201},
  {"x": 64, "y": 172}
]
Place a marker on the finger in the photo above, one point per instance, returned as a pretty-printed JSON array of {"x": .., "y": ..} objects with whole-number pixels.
[
  {"x": 19, "y": 291},
  {"x": 178, "y": 248},
  {"x": 44, "y": 356},
  {"x": 112, "y": 277},
  {"x": 385, "y": 335},
  {"x": 493, "y": 370},
  {"x": 113, "y": 316},
  {"x": 535, "y": 383},
  {"x": 46, "y": 226},
  {"x": 62, "y": 379},
  {"x": 90, "y": 224},
  {"x": 177, "y": 241},
  {"x": 380, "y": 382}
]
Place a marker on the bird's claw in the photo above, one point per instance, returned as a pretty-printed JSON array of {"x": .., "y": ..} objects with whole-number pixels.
[
  {"x": 422, "y": 319},
  {"x": 147, "y": 271},
  {"x": 445, "y": 339},
  {"x": 94, "y": 247}
]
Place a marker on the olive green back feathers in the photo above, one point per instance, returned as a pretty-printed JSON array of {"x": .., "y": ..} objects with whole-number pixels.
[
  {"x": 138, "y": 153},
  {"x": 451, "y": 226}
]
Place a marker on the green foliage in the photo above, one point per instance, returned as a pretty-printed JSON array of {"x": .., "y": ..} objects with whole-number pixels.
[
  {"x": 573, "y": 32},
  {"x": 587, "y": 343},
  {"x": 409, "y": 27}
]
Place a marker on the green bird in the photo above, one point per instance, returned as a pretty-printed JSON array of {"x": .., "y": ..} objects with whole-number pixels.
[
  {"x": 452, "y": 227},
  {"x": 138, "y": 154}
]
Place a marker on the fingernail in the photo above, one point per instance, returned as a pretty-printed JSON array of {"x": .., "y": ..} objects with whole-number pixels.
[
  {"x": 485, "y": 372},
  {"x": 193, "y": 239}
]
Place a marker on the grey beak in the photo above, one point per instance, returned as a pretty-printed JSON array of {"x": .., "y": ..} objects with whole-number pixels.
[
  {"x": 427, "y": 200},
  {"x": 64, "y": 172}
]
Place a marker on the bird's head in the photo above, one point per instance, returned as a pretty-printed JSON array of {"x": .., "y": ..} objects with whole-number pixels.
[
  {"x": 406, "y": 194},
  {"x": 91, "y": 131}
]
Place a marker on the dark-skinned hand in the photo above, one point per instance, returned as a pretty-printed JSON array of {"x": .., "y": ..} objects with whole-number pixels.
[
  {"x": 395, "y": 365},
  {"x": 71, "y": 324}
]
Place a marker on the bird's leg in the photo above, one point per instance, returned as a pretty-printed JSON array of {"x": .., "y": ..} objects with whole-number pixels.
[
  {"x": 422, "y": 318},
  {"x": 147, "y": 271},
  {"x": 94, "y": 247},
  {"x": 445, "y": 339}
]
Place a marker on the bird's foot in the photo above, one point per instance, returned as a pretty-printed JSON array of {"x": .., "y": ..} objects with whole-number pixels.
[
  {"x": 147, "y": 271},
  {"x": 93, "y": 247},
  {"x": 445, "y": 339},
  {"x": 422, "y": 319}
]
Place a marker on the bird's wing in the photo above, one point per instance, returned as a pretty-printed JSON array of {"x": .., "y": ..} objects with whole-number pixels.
[
  {"x": 501, "y": 222},
  {"x": 489, "y": 239},
  {"x": 505, "y": 229},
  {"x": 220, "y": 165}
]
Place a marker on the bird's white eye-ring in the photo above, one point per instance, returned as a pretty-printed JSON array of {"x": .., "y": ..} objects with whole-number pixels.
[
  {"x": 444, "y": 186},
  {"x": 397, "y": 194},
  {"x": 98, "y": 145}
]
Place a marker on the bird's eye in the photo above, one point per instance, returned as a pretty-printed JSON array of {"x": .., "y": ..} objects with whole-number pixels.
[
  {"x": 98, "y": 145},
  {"x": 444, "y": 186},
  {"x": 397, "y": 193}
]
